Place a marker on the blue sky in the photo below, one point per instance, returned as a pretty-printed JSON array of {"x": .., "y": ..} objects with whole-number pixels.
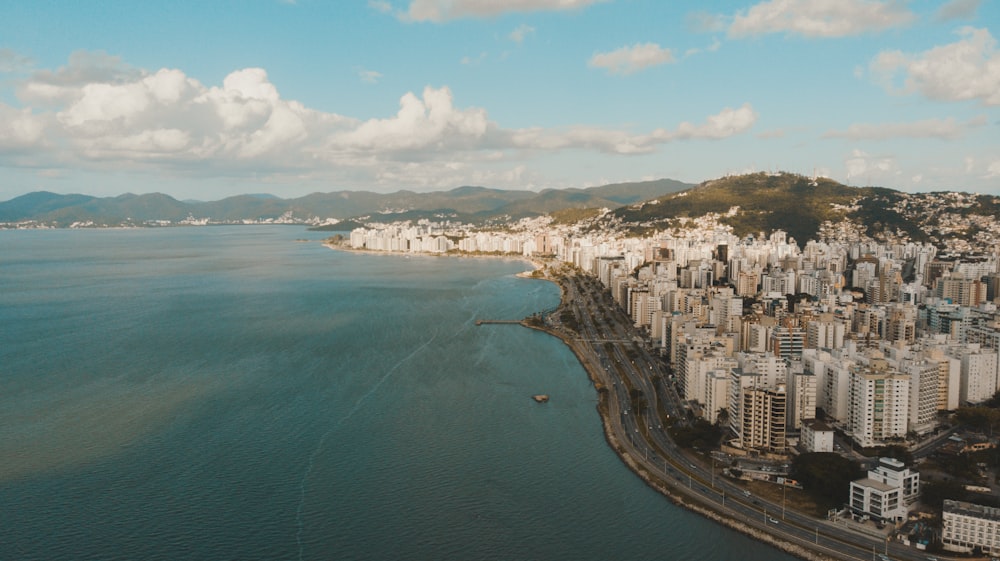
[{"x": 206, "y": 99}]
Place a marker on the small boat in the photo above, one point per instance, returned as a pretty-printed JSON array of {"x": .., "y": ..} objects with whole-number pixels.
[{"x": 540, "y": 398}]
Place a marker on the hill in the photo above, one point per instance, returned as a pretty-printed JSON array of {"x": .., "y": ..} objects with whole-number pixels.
[
  {"x": 467, "y": 204},
  {"x": 803, "y": 206}
]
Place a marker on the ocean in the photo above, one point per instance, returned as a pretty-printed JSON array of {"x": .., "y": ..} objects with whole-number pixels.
[{"x": 237, "y": 393}]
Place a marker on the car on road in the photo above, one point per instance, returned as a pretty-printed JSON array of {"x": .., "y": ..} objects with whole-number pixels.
[
  {"x": 772, "y": 520},
  {"x": 746, "y": 493}
]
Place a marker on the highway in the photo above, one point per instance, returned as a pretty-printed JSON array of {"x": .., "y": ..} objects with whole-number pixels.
[{"x": 609, "y": 348}]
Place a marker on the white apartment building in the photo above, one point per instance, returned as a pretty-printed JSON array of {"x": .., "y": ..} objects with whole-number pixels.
[
  {"x": 825, "y": 333},
  {"x": 924, "y": 386},
  {"x": 716, "y": 394},
  {"x": 816, "y": 437},
  {"x": 887, "y": 492},
  {"x": 879, "y": 403},
  {"x": 801, "y": 399},
  {"x": 966, "y": 526},
  {"x": 979, "y": 375},
  {"x": 832, "y": 372},
  {"x": 758, "y": 402}
]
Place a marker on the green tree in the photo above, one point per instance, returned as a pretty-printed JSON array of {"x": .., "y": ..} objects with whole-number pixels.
[{"x": 826, "y": 476}]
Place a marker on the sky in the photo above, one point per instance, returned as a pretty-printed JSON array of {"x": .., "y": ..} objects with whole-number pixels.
[{"x": 204, "y": 99}]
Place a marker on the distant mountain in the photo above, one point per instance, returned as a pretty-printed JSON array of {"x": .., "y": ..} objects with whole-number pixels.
[
  {"x": 467, "y": 204},
  {"x": 37, "y": 204},
  {"x": 799, "y": 205}
]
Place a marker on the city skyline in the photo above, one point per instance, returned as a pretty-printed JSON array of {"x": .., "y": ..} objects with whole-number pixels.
[{"x": 205, "y": 101}]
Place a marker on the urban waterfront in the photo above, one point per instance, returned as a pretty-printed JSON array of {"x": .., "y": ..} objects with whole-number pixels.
[{"x": 228, "y": 393}]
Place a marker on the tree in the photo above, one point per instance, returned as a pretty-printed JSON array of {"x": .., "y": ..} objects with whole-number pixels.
[{"x": 826, "y": 476}]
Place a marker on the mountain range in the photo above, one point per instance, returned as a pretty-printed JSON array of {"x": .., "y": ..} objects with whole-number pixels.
[
  {"x": 465, "y": 204},
  {"x": 807, "y": 208}
]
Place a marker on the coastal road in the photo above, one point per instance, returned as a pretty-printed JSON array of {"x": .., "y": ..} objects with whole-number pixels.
[{"x": 607, "y": 344}]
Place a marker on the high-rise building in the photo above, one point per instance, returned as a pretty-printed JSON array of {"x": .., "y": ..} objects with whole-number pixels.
[
  {"x": 879, "y": 403},
  {"x": 763, "y": 416}
]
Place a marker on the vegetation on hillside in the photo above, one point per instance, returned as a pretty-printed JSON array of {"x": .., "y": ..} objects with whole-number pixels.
[
  {"x": 794, "y": 203},
  {"x": 799, "y": 205}
]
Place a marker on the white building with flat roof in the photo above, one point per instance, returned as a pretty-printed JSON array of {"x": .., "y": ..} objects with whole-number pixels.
[
  {"x": 887, "y": 492},
  {"x": 966, "y": 526}
]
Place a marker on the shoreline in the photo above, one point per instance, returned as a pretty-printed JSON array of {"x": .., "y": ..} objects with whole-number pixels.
[
  {"x": 657, "y": 485},
  {"x": 706, "y": 511},
  {"x": 536, "y": 265}
]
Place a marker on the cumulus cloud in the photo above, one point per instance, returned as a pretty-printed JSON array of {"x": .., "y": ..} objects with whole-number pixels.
[
  {"x": 430, "y": 122},
  {"x": 944, "y": 129},
  {"x": 628, "y": 60},
  {"x": 818, "y": 18},
  {"x": 958, "y": 9},
  {"x": 21, "y": 128},
  {"x": 968, "y": 69},
  {"x": 993, "y": 170},
  {"x": 726, "y": 123},
  {"x": 85, "y": 67},
  {"x": 520, "y": 33},
  {"x": 444, "y": 10},
  {"x": 97, "y": 112}
]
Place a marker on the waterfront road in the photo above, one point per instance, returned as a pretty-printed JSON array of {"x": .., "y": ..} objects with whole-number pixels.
[{"x": 607, "y": 344}]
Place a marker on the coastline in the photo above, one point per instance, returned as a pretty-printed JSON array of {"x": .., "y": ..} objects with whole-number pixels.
[
  {"x": 700, "y": 508},
  {"x": 536, "y": 265},
  {"x": 656, "y": 484}
]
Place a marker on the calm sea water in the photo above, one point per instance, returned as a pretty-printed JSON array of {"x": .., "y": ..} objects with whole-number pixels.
[{"x": 232, "y": 394}]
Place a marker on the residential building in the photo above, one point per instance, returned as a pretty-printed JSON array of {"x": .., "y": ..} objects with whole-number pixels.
[
  {"x": 879, "y": 403},
  {"x": 887, "y": 492},
  {"x": 966, "y": 526}
]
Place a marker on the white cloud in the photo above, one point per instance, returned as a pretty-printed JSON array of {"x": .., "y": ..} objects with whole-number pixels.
[
  {"x": 369, "y": 76},
  {"x": 819, "y": 18},
  {"x": 715, "y": 46},
  {"x": 21, "y": 128},
  {"x": 870, "y": 169},
  {"x": 628, "y": 60},
  {"x": 968, "y": 69},
  {"x": 993, "y": 170},
  {"x": 944, "y": 129},
  {"x": 420, "y": 124},
  {"x": 167, "y": 122},
  {"x": 85, "y": 67},
  {"x": 726, "y": 123},
  {"x": 520, "y": 33},
  {"x": 958, "y": 9},
  {"x": 444, "y": 10}
]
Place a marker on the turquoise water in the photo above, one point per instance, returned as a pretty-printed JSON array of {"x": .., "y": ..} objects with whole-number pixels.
[{"x": 231, "y": 393}]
